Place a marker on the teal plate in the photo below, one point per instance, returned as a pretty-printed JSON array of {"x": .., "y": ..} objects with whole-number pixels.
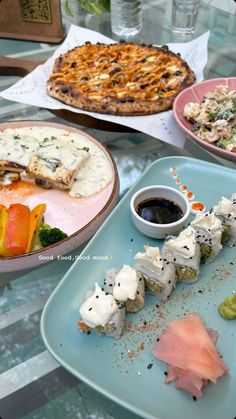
[{"x": 120, "y": 369}]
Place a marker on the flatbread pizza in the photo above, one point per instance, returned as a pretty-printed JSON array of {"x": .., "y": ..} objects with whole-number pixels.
[{"x": 120, "y": 78}]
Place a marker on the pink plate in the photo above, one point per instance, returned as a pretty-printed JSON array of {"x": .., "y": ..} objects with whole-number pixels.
[
  {"x": 196, "y": 93},
  {"x": 80, "y": 218}
]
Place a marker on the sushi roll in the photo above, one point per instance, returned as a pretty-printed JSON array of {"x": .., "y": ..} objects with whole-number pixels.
[
  {"x": 184, "y": 252},
  {"x": 127, "y": 286},
  {"x": 208, "y": 230},
  {"x": 101, "y": 314},
  {"x": 225, "y": 210},
  {"x": 159, "y": 274}
]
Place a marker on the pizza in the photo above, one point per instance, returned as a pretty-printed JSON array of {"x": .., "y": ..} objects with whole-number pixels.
[{"x": 120, "y": 78}]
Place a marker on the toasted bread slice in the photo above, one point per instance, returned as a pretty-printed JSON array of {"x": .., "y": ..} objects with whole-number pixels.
[{"x": 9, "y": 166}]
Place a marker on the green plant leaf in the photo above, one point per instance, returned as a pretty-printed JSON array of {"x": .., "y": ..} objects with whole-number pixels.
[{"x": 67, "y": 9}]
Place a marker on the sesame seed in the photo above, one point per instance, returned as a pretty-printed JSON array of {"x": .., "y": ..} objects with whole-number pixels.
[
  {"x": 149, "y": 366},
  {"x": 90, "y": 308}
]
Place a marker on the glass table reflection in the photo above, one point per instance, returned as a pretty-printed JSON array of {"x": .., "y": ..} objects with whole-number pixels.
[{"x": 32, "y": 384}]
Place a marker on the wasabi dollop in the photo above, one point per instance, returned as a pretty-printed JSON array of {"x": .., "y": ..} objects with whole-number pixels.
[{"x": 228, "y": 308}]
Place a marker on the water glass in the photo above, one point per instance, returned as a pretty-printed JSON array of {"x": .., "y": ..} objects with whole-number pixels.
[
  {"x": 184, "y": 15},
  {"x": 126, "y": 17}
]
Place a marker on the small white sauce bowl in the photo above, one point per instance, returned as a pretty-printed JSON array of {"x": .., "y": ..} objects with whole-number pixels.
[{"x": 154, "y": 230}]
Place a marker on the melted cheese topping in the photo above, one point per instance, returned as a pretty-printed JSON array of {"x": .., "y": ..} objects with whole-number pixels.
[
  {"x": 226, "y": 209},
  {"x": 183, "y": 245},
  {"x": 98, "y": 309},
  {"x": 120, "y": 70},
  {"x": 207, "y": 221},
  {"x": 151, "y": 258},
  {"x": 126, "y": 284},
  {"x": 17, "y": 148},
  {"x": 68, "y": 147}
]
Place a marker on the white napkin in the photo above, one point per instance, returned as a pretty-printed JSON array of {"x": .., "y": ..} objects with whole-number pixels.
[{"x": 32, "y": 88}]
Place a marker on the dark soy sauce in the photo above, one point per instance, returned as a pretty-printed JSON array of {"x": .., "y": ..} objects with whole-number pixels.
[{"x": 159, "y": 210}]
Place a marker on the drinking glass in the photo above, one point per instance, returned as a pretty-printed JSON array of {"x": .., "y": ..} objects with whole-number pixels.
[
  {"x": 184, "y": 15},
  {"x": 126, "y": 17}
]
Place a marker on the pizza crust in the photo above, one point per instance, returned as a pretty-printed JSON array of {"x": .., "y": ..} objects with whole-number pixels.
[{"x": 141, "y": 80}]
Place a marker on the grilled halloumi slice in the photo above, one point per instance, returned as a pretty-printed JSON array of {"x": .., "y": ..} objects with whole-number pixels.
[
  {"x": 7, "y": 178},
  {"x": 51, "y": 161},
  {"x": 50, "y": 172},
  {"x": 15, "y": 151}
]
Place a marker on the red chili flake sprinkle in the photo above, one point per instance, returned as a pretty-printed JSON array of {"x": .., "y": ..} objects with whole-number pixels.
[
  {"x": 183, "y": 188},
  {"x": 197, "y": 206},
  {"x": 178, "y": 181}
]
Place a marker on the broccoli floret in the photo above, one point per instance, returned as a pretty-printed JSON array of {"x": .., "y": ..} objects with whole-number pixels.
[
  {"x": 50, "y": 235},
  {"x": 223, "y": 143}
]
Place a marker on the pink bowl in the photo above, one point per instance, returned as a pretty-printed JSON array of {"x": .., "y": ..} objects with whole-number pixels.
[{"x": 196, "y": 93}]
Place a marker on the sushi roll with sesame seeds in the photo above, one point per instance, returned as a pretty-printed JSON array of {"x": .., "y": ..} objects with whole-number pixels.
[
  {"x": 159, "y": 274},
  {"x": 101, "y": 314},
  {"x": 184, "y": 251},
  {"x": 127, "y": 286},
  {"x": 208, "y": 230},
  {"x": 225, "y": 210}
]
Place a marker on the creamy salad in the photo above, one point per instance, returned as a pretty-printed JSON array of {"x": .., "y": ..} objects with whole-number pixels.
[{"x": 215, "y": 117}]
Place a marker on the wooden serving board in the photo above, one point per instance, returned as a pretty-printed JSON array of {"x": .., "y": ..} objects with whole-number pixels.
[{"x": 17, "y": 67}]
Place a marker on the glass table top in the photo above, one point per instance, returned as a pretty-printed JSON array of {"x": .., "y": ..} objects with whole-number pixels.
[{"x": 32, "y": 383}]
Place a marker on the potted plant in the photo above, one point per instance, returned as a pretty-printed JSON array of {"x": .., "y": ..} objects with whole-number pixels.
[{"x": 97, "y": 7}]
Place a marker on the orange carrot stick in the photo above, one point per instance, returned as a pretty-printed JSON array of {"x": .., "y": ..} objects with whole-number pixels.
[
  {"x": 36, "y": 216},
  {"x": 17, "y": 229},
  {"x": 3, "y": 225}
]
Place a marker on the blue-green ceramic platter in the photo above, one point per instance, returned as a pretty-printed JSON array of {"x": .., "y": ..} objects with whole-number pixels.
[{"x": 120, "y": 369}]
